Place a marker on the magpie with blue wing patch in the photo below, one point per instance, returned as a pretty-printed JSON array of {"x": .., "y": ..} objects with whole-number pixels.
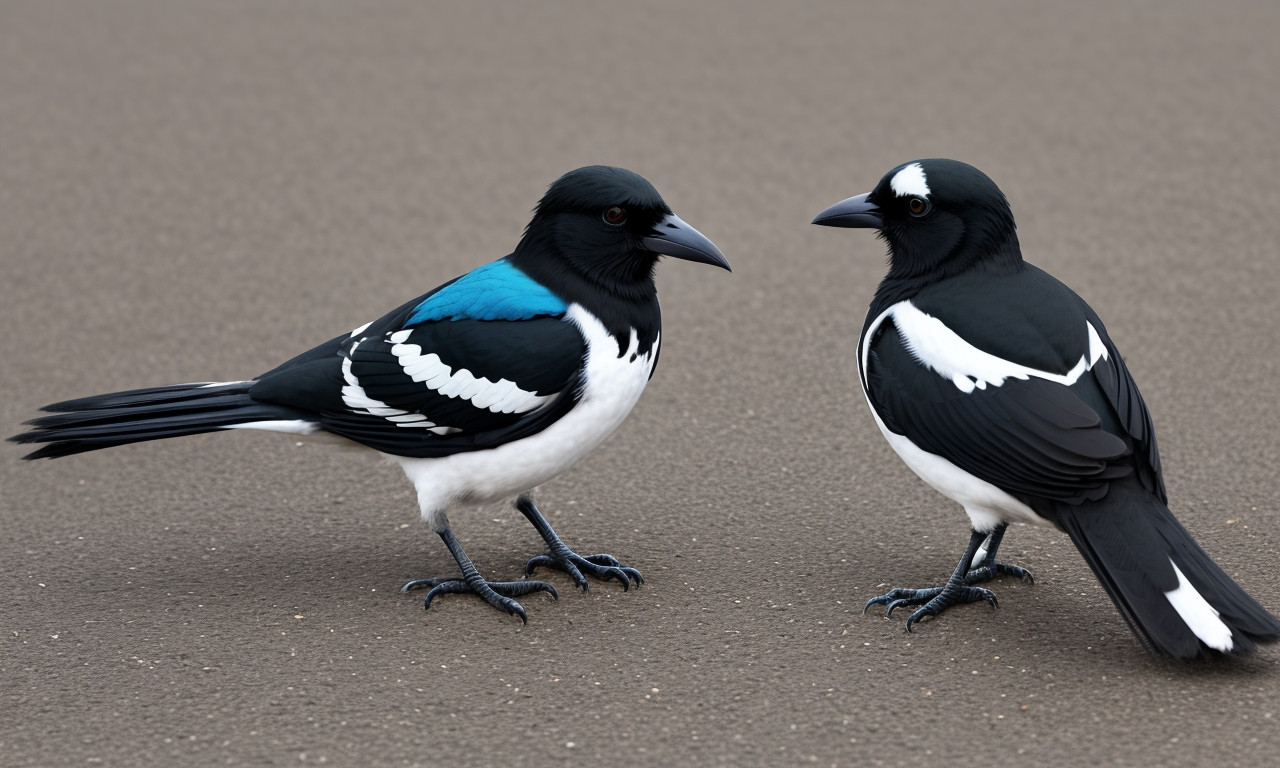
[
  {"x": 487, "y": 386},
  {"x": 1001, "y": 388}
]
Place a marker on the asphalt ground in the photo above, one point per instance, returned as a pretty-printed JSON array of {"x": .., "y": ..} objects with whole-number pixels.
[{"x": 199, "y": 191}]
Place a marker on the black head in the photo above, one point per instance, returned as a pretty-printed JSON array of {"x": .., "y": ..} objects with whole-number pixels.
[
  {"x": 939, "y": 217},
  {"x": 606, "y": 227}
]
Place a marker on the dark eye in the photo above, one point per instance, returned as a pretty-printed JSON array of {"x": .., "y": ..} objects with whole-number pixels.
[
  {"x": 918, "y": 206},
  {"x": 615, "y": 215}
]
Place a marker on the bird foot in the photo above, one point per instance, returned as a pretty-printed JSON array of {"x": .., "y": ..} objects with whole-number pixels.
[
  {"x": 898, "y": 597},
  {"x": 499, "y": 594},
  {"x": 560, "y": 557},
  {"x": 603, "y": 567},
  {"x": 933, "y": 600},
  {"x": 991, "y": 570}
]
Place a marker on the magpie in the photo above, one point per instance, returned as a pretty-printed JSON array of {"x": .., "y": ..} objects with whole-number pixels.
[
  {"x": 487, "y": 386},
  {"x": 1000, "y": 388}
]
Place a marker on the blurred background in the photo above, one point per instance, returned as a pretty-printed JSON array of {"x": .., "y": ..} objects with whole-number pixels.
[{"x": 200, "y": 191}]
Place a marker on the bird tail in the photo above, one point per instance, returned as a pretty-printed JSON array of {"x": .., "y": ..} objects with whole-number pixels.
[
  {"x": 120, "y": 418},
  {"x": 1175, "y": 598}
]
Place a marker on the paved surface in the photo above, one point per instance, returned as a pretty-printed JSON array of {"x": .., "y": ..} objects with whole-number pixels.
[{"x": 190, "y": 193}]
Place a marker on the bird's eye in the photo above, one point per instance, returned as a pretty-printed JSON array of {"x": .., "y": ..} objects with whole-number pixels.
[
  {"x": 615, "y": 215},
  {"x": 918, "y": 206}
]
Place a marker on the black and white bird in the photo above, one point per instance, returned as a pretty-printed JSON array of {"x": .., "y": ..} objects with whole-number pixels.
[
  {"x": 485, "y": 387},
  {"x": 1000, "y": 387}
]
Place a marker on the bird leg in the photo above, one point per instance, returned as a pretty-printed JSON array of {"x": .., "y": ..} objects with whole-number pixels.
[
  {"x": 564, "y": 559},
  {"x": 499, "y": 594},
  {"x": 958, "y": 589},
  {"x": 985, "y": 567}
]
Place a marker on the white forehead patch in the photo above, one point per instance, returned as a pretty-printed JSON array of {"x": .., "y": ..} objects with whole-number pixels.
[{"x": 910, "y": 181}]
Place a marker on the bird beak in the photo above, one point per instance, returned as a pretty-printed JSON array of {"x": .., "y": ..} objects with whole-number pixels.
[
  {"x": 854, "y": 212},
  {"x": 672, "y": 237}
]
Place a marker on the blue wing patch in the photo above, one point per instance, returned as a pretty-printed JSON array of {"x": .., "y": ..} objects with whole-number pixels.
[{"x": 495, "y": 291}]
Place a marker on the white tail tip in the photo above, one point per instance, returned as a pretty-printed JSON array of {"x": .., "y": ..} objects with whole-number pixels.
[{"x": 1201, "y": 618}]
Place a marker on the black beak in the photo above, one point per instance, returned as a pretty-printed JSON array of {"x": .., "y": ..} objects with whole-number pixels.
[
  {"x": 854, "y": 212},
  {"x": 672, "y": 237}
]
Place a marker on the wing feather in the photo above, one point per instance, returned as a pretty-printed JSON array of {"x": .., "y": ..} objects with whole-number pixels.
[
  {"x": 1030, "y": 437},
  {"x": 479, "y": 361}
]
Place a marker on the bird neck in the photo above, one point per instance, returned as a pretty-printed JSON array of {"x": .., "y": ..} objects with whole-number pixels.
[
  {"x": 622, "y": 296},
  {"x": 906, "y": 279}
]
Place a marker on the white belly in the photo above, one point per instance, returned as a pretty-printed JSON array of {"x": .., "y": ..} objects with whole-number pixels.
[
  {"x": 613, "y": 386},
  {"x": 987, "y": 505}
]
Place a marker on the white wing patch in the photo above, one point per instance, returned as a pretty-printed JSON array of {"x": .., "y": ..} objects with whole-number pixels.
[
  {"x": 942, "y": 350},
  {"x": 910, "y": 181},
  {"x": 359, "y": 401},
  {"x": 501, "y": 396}
]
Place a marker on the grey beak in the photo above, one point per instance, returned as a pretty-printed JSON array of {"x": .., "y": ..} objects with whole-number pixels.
[
  {"x": 672, "y": 237},
  {"x": 853, "y": 212}
]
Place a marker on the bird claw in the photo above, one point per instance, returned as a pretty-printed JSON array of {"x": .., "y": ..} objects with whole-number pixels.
[
  {"x": 601, "y": 566},
  {"x": 499, "y": 594},
  {"x": 959, "y": 588},
  {"x": 944, "y": 601},
  {"x": 991, "y": 570},
  {"x": 933, "y": 600},
  {"x": 561, "y": 558},
  {"x": 895, "y": 598}
]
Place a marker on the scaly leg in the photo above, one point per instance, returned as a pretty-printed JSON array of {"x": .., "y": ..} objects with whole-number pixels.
[
  {"x": 958, "y": 589},
  {"x": 990, "y": 568},
  {"x": 562, "y": 558},
  {"x": 499, "y": 594}
]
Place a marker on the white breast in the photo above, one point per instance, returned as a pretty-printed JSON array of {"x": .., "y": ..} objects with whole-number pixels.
[{"x": 613, "y": 384}]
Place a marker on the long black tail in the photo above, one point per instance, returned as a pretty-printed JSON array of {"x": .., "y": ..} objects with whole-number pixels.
[
  {"x": 1175, "y": 598},
  {"x": 119, "y": 418}
]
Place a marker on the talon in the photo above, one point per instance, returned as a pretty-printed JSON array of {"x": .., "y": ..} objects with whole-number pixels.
[
  {"x": 992, "y": 570},
  {"x": 603, "y": 559},
  {"x": 601, "y": 566},
  {"x": 959, "y": 588},
  {"x": 621, "y": 575},
  {"x": 536, "y": 561},
  {"x": 518, "y": 610},
  {"x": 439, "y": 589},
  {"x": 579, "y": 567},
  {"x": 632, "y": 575},
  {"x": 499, "y": 594},
  {"x": 420, "y": 583}
]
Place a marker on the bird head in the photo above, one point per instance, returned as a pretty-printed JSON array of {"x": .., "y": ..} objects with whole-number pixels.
[
  {"x": 608, "y": 226},
  {"x": 938, "y": 217}
]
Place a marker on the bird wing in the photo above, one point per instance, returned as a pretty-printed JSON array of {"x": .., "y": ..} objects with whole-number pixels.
[
  {"x": 1031, "y": 435},
  {"x": 480, "y": 361},
  {"x": 1122, "y": 394}
]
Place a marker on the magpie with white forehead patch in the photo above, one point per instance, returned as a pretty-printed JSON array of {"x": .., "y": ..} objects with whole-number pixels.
[
  {"x": 1000, "y": 387},
  {"x": 487, "y": 386}
]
